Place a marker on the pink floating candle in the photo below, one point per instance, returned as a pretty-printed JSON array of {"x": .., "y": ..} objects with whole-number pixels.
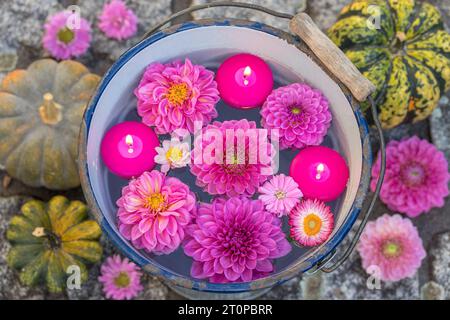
[
  {"x": 128, "y": 149},
  {"x": 244, "y": 81},
  {"x": 320, "y": 172}
]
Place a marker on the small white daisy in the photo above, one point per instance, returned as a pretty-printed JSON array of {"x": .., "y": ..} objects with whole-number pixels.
[{"x": 173, "y": 154}]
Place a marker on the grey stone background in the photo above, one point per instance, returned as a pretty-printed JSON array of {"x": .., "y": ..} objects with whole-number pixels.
[{"x": 21, "y": 25}]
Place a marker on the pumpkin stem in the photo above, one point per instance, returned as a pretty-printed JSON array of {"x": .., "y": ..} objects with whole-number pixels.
[
  {"x": 50, "y": 111},
  {"x": 38, "y": 232},
  {"x": 397, "y": 43},
  {"x": 53, "y": 240},
  {"x": 400, "y": 36}
]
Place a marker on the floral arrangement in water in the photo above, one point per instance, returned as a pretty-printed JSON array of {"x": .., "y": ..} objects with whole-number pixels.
[
  {"x": 223, "y": 237},
  {"x": 238, "y": 236},
  {"x": 235, "y": 237}
]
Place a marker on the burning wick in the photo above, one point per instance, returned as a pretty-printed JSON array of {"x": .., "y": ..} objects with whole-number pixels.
[
  {"x": 247, "y": 73},
  {"x": 129, "y": 142},
  {"x": 320, "y": 168}
]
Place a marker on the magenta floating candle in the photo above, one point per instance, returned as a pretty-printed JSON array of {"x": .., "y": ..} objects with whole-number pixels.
[
  {"x": 128, "y": 149},
  {"x": 244, "y": 81},
  {"x": 320, "y": 172}
]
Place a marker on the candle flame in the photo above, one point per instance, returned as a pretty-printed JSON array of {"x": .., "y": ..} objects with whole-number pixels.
[
  {"x": 320, "y": 168},
  {"x": 247, "y": 71},
  {"x": 129, "y": 142}
]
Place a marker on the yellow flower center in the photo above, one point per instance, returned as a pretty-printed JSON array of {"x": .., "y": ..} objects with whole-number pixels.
[
  {"x": 296, "y": 110},
  {"x": 280, "y": 195},
  {"x": 177, "y": 93},
  {"x": 122, "y": 280},
  {"x": 66, "y": 35},
  {"x": 413, "y": 174},
  {"x": 174, "y": 154},
  {"x": 312, "y": 224},
  {"x": 392, "y": 249},
  {"x": 233, "y": 166},
  {"x": 234, "y": 159},
  {"x": 156, "y": 202}
]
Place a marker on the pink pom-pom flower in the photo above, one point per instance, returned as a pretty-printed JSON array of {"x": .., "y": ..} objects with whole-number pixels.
[
  {"x": 280, "y": 194},
  {"x": 234, "y": 240},
  {"x": 176, "y": 95},
  {"x": 117, "y": 21},
  {"x": 64, "y": 40},
  {"x": 154, "y": 210},
  {"x": 300, "y": 113},
  {"x": 121, "y": 278},
  {"x": 311, "y": 222},
  {"x": 416, "y": 178},
  {"x": 393, "y": 245},
  {"x": 236, "y": 175}
]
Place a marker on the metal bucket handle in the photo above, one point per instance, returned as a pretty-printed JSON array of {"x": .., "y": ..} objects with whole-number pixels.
[{"x": 339, "y": 65}]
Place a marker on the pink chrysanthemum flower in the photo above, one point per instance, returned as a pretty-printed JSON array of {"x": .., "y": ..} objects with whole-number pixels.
[
  {"x": 153, "y": 212},
  {"x": 175, "y": 95},
  {"x": 416, "y": 178},
  {"x": 311, "y": 222},
  {"x": 393, "y": 245},
  {"x": 117, "y": 21},
  {"x": 64, "y": 40},
  {"x": 280, "y": 194},
  {"x": 121, "y": 278},
  {"x": 234, "y": 240},
  {"x": 224, "y": 171},
  {"x": 300, "y": 113}
]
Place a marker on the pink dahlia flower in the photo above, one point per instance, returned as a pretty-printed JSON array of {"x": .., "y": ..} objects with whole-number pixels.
[
  {"x": 234, "y": 240},
  {"x": 280, "y": 194},
  {"x": 121, "y": 278},
  {"x": 224, "y": 171},
  {"x": 311, "y": 222},
  {"x": 117, "y": 21},
  {"x": 154, "y": 211},
  {"x": 416, "y": 178},
  {"x": 299, "y": 112},
  {"x": 175, "y": 95},
  {"x": 392, "y": 244},
  {"x": 64, "y": 41}
]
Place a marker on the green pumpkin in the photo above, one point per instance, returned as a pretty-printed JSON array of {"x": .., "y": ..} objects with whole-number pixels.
[
  {"x": 407, "y": 59},
  {"x": 41, "y": 110},
  {"x": 47, "y": 239}
]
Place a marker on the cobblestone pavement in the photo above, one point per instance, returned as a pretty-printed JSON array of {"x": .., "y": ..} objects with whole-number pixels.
[{"x": 21, "y": 24}]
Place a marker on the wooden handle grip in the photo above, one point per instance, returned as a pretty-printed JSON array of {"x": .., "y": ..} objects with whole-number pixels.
[{"x": 331, "y": 56}]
